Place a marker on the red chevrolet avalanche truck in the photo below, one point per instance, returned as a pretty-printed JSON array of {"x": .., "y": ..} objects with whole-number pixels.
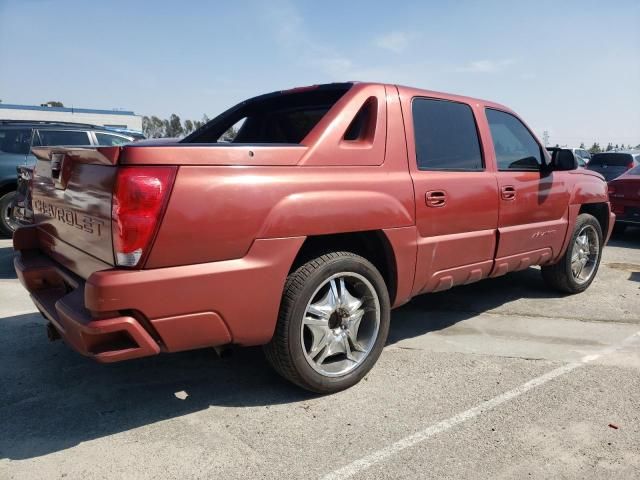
[{"x": 332, "y": 205}]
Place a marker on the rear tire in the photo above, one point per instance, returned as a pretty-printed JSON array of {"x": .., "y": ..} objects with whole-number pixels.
[
  {"x": 333, "y": 323},
  {"x": 7, "y": 225},
  {"x": 578, "y": 266}
]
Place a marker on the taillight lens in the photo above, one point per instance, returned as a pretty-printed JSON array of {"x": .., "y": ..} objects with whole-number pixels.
[{"x": 139, "y": 197}]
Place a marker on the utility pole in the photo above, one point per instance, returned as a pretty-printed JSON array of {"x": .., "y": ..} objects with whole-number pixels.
[{"x": 545, "y": 137}]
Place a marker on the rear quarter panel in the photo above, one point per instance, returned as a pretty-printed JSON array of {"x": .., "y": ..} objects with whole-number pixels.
[{"x": 215, "y": 213}]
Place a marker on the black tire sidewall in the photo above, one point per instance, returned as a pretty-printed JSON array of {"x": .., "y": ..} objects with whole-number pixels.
[{"x": 309, "y": 376}]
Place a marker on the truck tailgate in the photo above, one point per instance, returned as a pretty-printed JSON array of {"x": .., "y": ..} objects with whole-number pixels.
[{"x": 72, "y": 195}]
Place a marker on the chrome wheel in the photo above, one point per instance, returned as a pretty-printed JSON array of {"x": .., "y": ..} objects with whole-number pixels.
[
  {"x": 584, "y": 254},
  {"x": 340, "y": 324}
]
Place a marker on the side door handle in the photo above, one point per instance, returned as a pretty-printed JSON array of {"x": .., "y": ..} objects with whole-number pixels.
[
  {"x": 508, "y": 192},
  {"x": 436, "y": 198}
]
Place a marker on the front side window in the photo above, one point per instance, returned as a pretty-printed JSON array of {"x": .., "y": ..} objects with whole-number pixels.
[
  {"x": 51, "y": 138},
  {"x": 108, "y": 140},
  {"x": 445, "y": 135},
  {"x": 515, "y": 147},
  {"x": 15, "y": 141}
]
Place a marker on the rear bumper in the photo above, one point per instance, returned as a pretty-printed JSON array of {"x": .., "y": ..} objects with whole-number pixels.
[
  {"x": 60, "y": 297},
  {"x": 120, "y": 314}
]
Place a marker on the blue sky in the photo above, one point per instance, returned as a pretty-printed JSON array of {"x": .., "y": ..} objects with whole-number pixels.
[{"x": 569, "y": 67}]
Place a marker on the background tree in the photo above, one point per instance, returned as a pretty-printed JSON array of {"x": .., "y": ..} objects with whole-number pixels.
[
  {"x": 152, "y": 127},
  {"x": 198, "y": 123},
  {"x": 582, "y": 145},
  {"x": 188, "y": 127},
  {"x": 173, "y": 126},
  {"x": 609, "y": 147},
  {"x": 595, "y": 148},
  {"x": 146, "y": 126},
  {"x": 158, "y": 127},
  {"x": 229, "y": 135}
]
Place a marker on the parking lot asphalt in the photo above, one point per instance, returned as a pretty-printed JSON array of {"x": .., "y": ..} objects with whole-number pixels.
[{"x": 500, "y": 379}]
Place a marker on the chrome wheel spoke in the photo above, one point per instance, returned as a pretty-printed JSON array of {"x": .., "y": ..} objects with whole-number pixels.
[
  {"x": 333, "y": 347},
  {"x": 333, "y": 292},
  {"x": 582, "y": 240},
  {"x": 320, "y": 339},
  {"x": 353, "y": 324},
  {"x": 579, "y": 269},
  {"x": 347, "y": 349},
  {"x": 348, "y": 301},
  {"x": 323, "y": 308}
]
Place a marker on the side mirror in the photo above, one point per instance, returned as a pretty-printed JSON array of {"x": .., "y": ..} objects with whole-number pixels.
[{"x": 563, "y": 160}]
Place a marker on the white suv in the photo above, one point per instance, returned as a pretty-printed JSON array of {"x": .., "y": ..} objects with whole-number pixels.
[{"x": 582, "y": 155}]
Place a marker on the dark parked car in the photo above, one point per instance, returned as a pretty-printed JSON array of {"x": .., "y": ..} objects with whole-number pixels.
[
  {"x": 624, "y": 194},
  {"x": 16, "y": 139},
  {"x": 613, "y": 164}
]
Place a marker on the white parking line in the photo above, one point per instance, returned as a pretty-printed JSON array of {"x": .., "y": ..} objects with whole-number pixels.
[{"x": 412, "y": 440}]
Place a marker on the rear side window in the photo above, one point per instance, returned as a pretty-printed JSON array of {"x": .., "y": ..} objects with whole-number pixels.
[
  {"x": 280, "y": 117},
  {"x": 15, "y": 140},
  {"x": 108, "y": 140},
  {"x": 634, "y": 171},
  {"x": 445, "y": 135},
  {"x": 515, "y": 147},
  {"x": 63, "y": 138}
]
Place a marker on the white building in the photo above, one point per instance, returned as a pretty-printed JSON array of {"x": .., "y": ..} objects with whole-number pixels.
[{"x": 106, "y": 118}]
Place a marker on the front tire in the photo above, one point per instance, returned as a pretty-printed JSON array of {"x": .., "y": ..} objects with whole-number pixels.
[
  {"x": 333, "y": 323},
  {"x": 7, "y": 224},
  {"x": 578, "y": 266}
]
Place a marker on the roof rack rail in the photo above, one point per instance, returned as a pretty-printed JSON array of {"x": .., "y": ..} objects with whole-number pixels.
[{"x": 49, "y": 122}]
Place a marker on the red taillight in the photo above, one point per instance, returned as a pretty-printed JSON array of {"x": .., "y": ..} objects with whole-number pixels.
[{"x": 139, "y": 196}]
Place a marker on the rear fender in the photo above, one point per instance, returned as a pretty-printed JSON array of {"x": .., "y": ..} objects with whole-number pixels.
[{"x": 334, "y": 211}]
